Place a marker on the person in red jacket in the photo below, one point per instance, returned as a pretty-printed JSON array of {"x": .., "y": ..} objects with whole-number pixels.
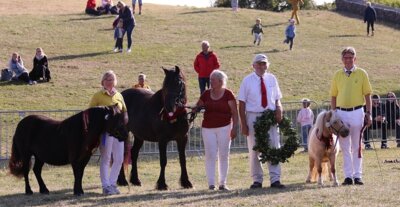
[{"x": 205, "y": 63}]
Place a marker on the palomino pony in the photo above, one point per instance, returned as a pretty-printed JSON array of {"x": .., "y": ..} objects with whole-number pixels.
[
  {"x": 158, "y": 117},
  {"x": 62, "y": 142},
  {"x": 322, "y": 146}
]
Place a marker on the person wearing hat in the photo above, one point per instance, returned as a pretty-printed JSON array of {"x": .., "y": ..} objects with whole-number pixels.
[
  {"x": 350, "y": 91},
  {"x": 258, "y": 92},
  {"x": 306, "y": 119}
]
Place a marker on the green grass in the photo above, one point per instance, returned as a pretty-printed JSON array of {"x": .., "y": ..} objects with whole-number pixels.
[
  {"x": 391, "y": 3},
  {"x": 79, "y": 48},
  {"x": 380, "y": 189}
]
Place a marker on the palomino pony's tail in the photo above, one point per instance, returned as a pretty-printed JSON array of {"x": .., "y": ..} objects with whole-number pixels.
[{"x": 16, "y": 163}]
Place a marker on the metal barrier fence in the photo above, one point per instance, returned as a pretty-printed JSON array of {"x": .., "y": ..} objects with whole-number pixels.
[{"x": 10, "y": 119}]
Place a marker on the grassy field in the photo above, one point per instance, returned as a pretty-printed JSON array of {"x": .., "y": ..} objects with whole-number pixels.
[
  {"x": 79, "y": 48},
  {"x": 380, "y": 189}
]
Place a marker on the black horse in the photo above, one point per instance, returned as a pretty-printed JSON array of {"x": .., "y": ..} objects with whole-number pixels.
[
  {"x": 62, "y": 142},
  {"x": 158, "y": 117}
]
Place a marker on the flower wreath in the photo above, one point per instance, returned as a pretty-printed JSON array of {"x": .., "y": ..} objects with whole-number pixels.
[{"x": 261, "y": 128}]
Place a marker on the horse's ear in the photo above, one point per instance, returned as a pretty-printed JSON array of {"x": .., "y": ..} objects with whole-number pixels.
[
  {"x": 165, "y": 70},
  {"x": 177, "y": 69}
]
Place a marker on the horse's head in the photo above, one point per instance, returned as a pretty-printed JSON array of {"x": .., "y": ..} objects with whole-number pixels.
[
  {"x": 174, "y": 89},
  {"x": 335, "y": 124},
  {"x": 115, "y": 125}
]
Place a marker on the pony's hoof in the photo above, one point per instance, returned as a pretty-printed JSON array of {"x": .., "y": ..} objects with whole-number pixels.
[
  {"x": 79, "y": 193},
  {"x": 186, "y": 184},
  {"x": 28, "y": 192},
  {"x": 308, "y": 181},
  {"x": 162, "y": 187},
  {"x": 336, "y": 184},
  {"x": 136, "y": 182},
  {"x": 122, "y": 182},
  {"x": 45, "y": 191}
]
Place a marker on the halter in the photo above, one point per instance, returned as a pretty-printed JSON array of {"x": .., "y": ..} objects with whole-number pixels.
[{"x": 180, "y": 102}]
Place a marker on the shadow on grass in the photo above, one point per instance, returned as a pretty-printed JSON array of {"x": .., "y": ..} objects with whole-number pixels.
[
  {"x": 201, "y": 11},
  {"x": 274, "y": 25},
  {"x": 346, "y": 35},
  {"x": 236, "y": 46},
  {"x": 271, "y": 51},
  {"x": 91, "y": 18},
  {"x": 70, "y": 57}
]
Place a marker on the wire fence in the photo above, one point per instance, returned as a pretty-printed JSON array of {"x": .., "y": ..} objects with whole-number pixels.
[{"x": 10, "y": 119}]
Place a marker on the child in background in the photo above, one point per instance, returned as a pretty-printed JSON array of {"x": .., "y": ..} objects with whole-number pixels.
[
  {"x": 257, "y": 31},
  {"x": 306, "y": 119},
  {"x": 119, "y": 36},
  {"x": 290, "y": 33}
]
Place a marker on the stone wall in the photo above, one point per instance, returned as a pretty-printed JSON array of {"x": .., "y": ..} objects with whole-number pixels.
[{"x": 384, "y": 14}]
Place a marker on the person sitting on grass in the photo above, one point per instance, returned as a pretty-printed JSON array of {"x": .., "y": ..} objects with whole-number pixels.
[
  {"x": 91, "y": 8},
  {"x": 40, "y": 67},
  {"x": 16, "y": 65}
]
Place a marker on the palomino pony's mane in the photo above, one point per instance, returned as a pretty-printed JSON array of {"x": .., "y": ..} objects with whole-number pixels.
[{"x": 320, "y": 123}]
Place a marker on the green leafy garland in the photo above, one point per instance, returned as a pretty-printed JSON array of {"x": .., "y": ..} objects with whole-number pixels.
[{"x": 261, "y": 128}]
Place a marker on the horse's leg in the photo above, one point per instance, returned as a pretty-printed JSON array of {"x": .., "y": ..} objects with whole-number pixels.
[
  {"x": 26, "y": 166},
  {"x": 311, "y": 167},
  {"x": 185, "y": 183},
  {"x": 137, "y": 144},
  {"x": 161, "y": 185},
  {"x": 319, "y": 171},
  {"x": 37, "y": 169},
  {"x": 78, "y": 169},
  {"x": 332, "y": 160},
  {"x": 121, "y": 181}
]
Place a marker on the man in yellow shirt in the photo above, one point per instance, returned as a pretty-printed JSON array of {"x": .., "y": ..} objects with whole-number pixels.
[
  {"x": 141, "y": 82},
  {"x": 295, "y": 8},
  {"x": 350, "y": 91}
]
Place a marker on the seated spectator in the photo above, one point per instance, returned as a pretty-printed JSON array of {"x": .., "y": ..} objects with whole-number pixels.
[
  {"x": 16, "y": 65},
  {"x": 378, "y": 122},
  {"x": 392, "y": 109},
  {"x": 142, "y": 84},
  {"x": 91, "y": 8},
  {"x": 108, "y": 7},
  {"x": 40, "y": 67}
]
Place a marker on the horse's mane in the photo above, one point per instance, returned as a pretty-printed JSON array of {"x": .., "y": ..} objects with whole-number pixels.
[{"x": 320, "y": 123}]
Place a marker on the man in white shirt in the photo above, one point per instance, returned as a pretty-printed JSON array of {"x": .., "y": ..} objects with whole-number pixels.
[{"x": 258, "y": 92}]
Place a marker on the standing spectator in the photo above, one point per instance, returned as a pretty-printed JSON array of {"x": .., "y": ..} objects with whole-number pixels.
[
  {"x": 142, "y": 82},
  {"x": 235, "y": 5},
  {"x": 108, "y": 96},
  {"x": 40, "y": 67},
  {"x": 290, "y": 33},
  {"x": 370, "y": 18},
  {"x": 350, "y": 90},
  {"x": 295, "y": 8},
  {"x": 119, "y": 36},
  {"x": 219, "y": 127},
  {"x": 16, "y": 65},
  {"x": 126, "y": 15},
  {"x": 258, "y": 92},
  {"x": 306, "y": 120},
  {"x": 134, "y": 5},
  {"x": 378, "y": 122},
  {"x": 392, "y": 109},
  {"x": 257, "y": 31},
  {"x": 206, "y": 61}
]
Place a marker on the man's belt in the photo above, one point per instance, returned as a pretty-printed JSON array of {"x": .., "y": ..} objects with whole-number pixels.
[{"x": 349, "y": 109}]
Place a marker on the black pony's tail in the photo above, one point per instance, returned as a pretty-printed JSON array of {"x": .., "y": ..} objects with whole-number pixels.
[{"x": 16, "y": 163}]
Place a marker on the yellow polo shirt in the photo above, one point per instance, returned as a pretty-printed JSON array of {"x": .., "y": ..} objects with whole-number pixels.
[
  {"x": 145, "y": 86},
  {"x": 102, "y": 98},
  {"x": 350, "y": 91}
]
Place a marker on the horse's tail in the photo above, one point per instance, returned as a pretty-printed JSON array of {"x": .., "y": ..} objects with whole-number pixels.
[
  {"x": 127, "y": 154},
  {"x": 16, "y": 163}
]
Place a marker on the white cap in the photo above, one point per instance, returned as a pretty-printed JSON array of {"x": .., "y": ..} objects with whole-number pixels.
[{"x": 260, "y": 58}]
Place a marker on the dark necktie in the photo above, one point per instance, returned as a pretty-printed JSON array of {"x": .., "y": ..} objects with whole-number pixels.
[
  {"x": 264, "y": 101},
  {"x": 348, "y": 72}
]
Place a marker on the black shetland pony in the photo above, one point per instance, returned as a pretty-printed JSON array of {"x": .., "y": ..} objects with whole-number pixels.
[
  {"x": 158, "y": 117},
  {"x": 62, "y": 142}
]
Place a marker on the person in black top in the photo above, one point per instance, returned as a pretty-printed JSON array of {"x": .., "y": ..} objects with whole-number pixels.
[
  {"x": 125, "y": 13},
  {"x": 392, "y": 109},
  {"x": 40, "y": 67},
  {"x": 378, "y": 122},
  {"x": 370, "y": 17}
]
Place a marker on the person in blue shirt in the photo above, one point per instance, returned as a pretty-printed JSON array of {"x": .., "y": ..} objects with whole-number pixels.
[{"x": 290, "y": 33}]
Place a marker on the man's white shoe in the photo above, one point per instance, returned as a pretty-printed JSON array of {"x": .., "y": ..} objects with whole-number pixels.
[
  {"x": 129, "y": 50},
  {"x": 116, "y": 50}
]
